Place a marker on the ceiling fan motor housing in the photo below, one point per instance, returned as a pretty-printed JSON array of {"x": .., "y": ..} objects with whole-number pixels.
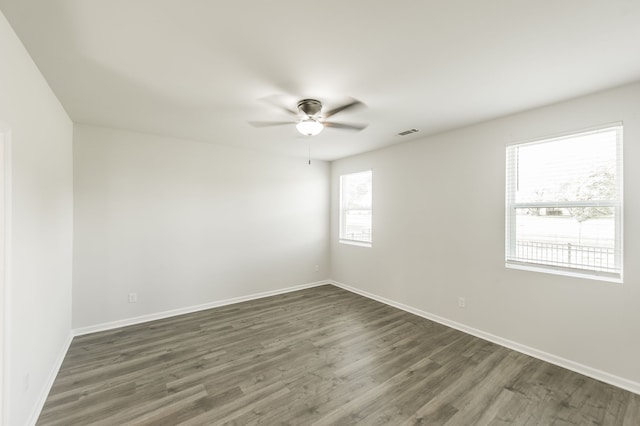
[{"x": 310, "y": 107}]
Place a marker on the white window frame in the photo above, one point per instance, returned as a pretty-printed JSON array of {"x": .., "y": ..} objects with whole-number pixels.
[
  {"x": 512, "y": 206},
  {"x": 343, "y": 213}
]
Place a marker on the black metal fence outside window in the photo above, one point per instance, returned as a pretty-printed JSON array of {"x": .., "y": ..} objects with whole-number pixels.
[{"x": 566, "y": 255}]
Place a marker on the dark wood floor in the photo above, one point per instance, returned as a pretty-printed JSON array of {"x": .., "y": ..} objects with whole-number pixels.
[{"x": 320, "y": 356}]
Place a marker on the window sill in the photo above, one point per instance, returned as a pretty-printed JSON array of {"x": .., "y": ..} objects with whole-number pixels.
[
  {"x": 355, "y": 243},
  {"x": 598, "y": 276}
]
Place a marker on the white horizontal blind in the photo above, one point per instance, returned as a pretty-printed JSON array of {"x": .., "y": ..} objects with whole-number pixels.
[
  {"x": 355, "y": 207},
  {"x": 564, "y": 202}
]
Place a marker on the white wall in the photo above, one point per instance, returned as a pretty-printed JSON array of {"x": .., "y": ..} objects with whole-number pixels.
[
  {"x": 40, "y": 233},
  {"x": 438, "y": 229},
  {"x": 184, "y": 223}
]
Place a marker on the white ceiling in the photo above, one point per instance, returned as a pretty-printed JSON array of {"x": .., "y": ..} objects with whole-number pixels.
[{"x": 197, "y": 69}]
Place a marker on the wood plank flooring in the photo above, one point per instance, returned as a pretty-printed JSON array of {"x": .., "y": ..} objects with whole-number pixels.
[{"x": 322, "y": 356}]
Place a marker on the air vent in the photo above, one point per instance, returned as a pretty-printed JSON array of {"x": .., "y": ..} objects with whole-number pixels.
[{"x": 407, "y": 132}]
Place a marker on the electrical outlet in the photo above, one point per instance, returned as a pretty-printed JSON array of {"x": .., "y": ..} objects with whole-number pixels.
[
  {"x": 317, "y": 268},
  {"x": 461, "y": 302},
  {"x": 133, "y": 297}
]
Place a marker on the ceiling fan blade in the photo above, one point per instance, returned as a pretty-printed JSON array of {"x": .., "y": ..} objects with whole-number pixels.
[
  {"x": 273, "y": 102},
  {"x": 345, "y": 126},
  {"x": 353, "y": 104},
  {"x": 269, "y": 123}
]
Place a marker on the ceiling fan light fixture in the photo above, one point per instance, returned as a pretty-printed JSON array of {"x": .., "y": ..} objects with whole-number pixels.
[{"x": 309, "y": 127}]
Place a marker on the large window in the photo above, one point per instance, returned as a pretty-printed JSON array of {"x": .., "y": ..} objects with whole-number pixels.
[
  {"x": 564, "y": 204},
  {"x": 355, "y": 208}
]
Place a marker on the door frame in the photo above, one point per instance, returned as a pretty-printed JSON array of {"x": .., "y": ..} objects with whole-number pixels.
[{"x": 5, "y": 267}]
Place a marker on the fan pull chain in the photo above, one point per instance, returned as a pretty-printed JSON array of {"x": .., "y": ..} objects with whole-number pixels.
[{"x": 309, "y": 153}]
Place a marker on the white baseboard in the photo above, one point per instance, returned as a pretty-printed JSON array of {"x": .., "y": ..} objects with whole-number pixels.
[
  {"x": 603, "y": 376},
  {"x": 44, "y": 393},
  {"x": 189, "y": 309}
]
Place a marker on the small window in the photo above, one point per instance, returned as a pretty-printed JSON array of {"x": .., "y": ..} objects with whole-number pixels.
[
  {"x": 355, "y": 208},
  {"x": 564, "y": 204}
]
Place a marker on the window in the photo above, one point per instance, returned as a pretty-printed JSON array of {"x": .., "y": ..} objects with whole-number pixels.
[
  {"x": 564, "y": 204},
  {"x": 355, "y": 208}
]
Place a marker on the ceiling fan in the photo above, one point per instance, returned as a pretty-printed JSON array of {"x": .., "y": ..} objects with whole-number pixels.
[{"x": 310, "y": 118}]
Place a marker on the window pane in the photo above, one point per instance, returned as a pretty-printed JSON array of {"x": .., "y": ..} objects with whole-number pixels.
[
  {"x": 554, "y": 236},
  {"x": 356, "y": 191},
  {"x": 357, "y": 225},
  {"x": 577, "y": 168}
]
